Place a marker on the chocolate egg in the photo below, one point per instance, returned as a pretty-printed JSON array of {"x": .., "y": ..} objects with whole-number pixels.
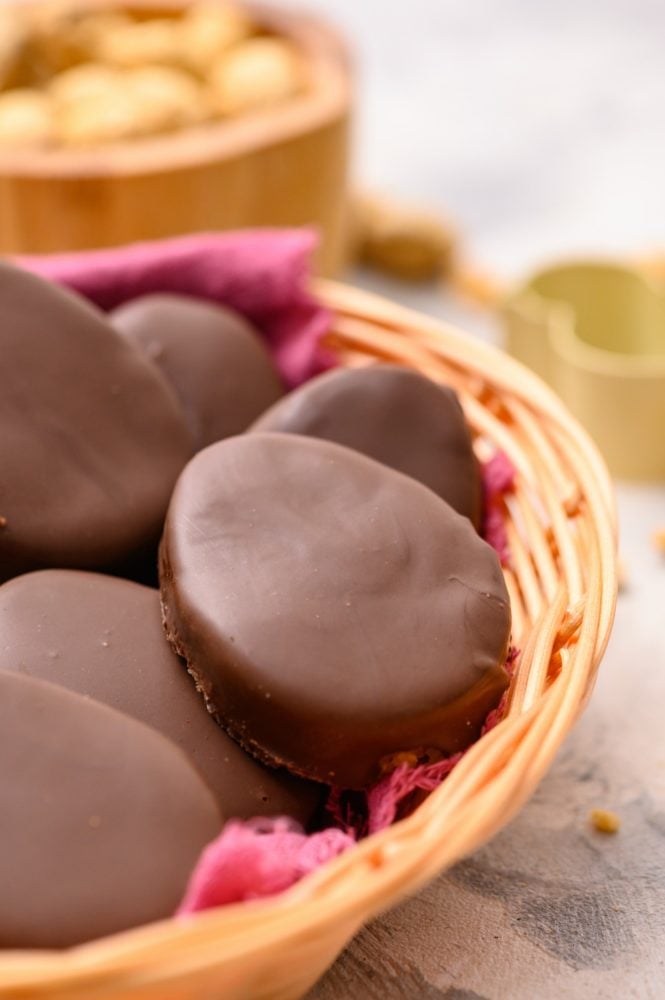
[
  {"x": 215, "y": 360},
  {"x": 93, "y": 437},
  {"x": 392, "y": 414},
  {"x": 103, "y": 637},
  {"x": 103, "y": 818},
  {"x": 335, "y": 612}
]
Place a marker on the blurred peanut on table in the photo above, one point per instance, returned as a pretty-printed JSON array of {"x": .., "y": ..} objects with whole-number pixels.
[{"x": 409, "y": 242}]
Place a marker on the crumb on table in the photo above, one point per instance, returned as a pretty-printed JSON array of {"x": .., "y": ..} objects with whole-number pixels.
[{"x": 604, "y": 820}]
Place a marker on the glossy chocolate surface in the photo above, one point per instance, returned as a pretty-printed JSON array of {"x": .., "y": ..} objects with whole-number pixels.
[
  {"x": 394, "y": 415},
  {"x": 103, "y": 637},
  {"x": 215, "y": 361},
  {"x": 102, "y": 818},
  {"x": 334, "y": 611},
  {"x": 92, "y": 436}
]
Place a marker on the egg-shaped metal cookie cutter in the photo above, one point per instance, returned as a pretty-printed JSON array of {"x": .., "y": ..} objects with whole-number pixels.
[{"x": 595, "y": 330}]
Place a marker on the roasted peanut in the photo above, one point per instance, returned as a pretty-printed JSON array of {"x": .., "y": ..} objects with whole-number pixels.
[
  {"x": 408, "y": 242},
  {"x": 119, "y": 104},
  {"x": 255, "y": 74},
  {"x": 130, "y": 46},
  {"x": 26, "y": 119},
  {"x": 109, "y": 117},
  {"x": 167, "y": 98},
  {"x": 83, "y": 83},
  {"x": 62, "y": 36},
  {"x": 208, "y": 30}
]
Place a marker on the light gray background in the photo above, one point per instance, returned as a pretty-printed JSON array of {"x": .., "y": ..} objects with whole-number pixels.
[{"x": 539, "y": 127}]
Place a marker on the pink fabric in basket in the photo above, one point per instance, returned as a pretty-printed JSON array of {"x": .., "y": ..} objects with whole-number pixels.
[
  {"x": 261, "y": 273},
  {"x": 258, "y": 858},
  {"x": 498, "y": 480}
]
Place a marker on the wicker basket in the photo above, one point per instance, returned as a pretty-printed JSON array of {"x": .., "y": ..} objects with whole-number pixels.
[{"x": 561, "y": 528}]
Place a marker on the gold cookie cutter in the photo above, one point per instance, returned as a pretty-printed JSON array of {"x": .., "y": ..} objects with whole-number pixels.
[{"x": 595, "y": 331}]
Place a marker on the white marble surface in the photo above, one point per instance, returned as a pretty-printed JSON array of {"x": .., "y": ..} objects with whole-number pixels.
[{"x": 538, "y": 126}]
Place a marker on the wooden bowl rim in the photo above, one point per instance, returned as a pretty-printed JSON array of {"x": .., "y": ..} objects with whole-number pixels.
[{"x": 328, "y": 99}]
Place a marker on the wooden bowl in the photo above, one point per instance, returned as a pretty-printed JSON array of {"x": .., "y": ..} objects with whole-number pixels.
[
  {"x": 562, "y": 583},
  {"x": 286, "y": 166}
]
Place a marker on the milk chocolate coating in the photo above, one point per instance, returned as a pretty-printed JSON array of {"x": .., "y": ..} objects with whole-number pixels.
[
  {"x": 93, "y": 437},
  {"x": 102, "y": 822},
  {"x": 394, "y": 415},
  {"x": 103, "y": 637},
  {"x": 334, "y": 610},
  {"x": 216, "y": 362}
]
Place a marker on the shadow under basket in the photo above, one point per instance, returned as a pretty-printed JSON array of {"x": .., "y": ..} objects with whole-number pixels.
[{"x": 560, "y": 525}]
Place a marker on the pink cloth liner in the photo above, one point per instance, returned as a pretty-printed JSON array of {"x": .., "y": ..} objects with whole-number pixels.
[
  {"x": 498, "y": 480},
  {"x": 263, "y": 275},
  {"x": 258, "y": 858}
]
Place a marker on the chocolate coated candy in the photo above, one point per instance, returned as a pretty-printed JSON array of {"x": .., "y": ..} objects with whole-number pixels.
[
  {"x": 103, "y": 637},
  {"x": 392, "y": 414},
  {"x": 215, "y": 360},
  {"x": 335, "y": 612},
  {"x": 92, "y": 438},
  {"x": 102, "y": 818}
]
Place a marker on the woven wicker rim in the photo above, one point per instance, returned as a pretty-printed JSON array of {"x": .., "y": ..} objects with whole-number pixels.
[{"x": 562, "y": 533}]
